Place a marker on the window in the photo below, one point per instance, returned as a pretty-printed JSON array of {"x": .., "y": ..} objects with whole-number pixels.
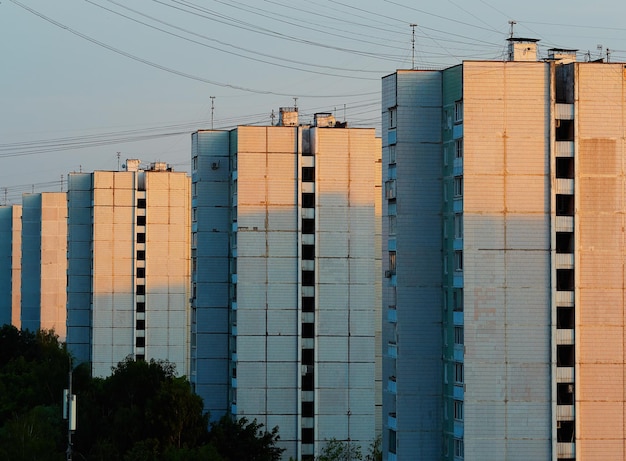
[
  {"x": 141, "y": 255},
  {"x": 564, "y": 130},
  {"x": 392, "y": 262},
  {"x": 308, "y": 304},
  {"x": 307, "y": 409},
  {"x": 565, "y": 356},
  {"x": 390, "y": 189},
  {"x": 392, "y": 208},
  {"x": 458, "y": 335},
  {"x": 458, "y": 186},
  {"x": 565, "y": 431},
  {"x": 565, "y": 279},
  {"x": 141, "y": 220},
  {"x": 308, "y": 381},
  {"x": 307, "y": 435},
  {"x": 308, "y": 200},
  {"x": 140, "y": 357},
  {"x": 141, "y": 237},
  {"x": 459, "y": 449},
  {"x": 564, "y": 242},
  {"x": 194, "y": 214},
  {"x": 565, "y": 167},
  {"x": 458, "y": 410},
  {"x": 308, "y": 330},
  {"x": 141, "y": 272},
  {"x": 308, "y": 174},
  {"x": 392, "y": 117},
  {"x": 565, "y": 393},
  {"x": 565, "y": 317},
  {"x": 194, "y": 189},
  {"x": 392, "y": 441},
  {"x": 194, "y": 239},
  {"x": 392, "y": 154},
  {"x": 458, "y": 261},
  {"x": 308, "y": 278},
  {"x": 392, "y": 224},
  {"x": 140, "y": 341},
  {"x": 141, "y": 289},
  {"x": 141, "y": 307},
  {"x": 458, "y": 148},
  {"x": 458, "y": 111},
  {"x": 308, "y": 252},
  {"x": 308, "y": 226},
  {"x": 194, "y": 162},
  {"x": 141, "y": 203},
  {"x": 307, "y": 356},
  {"x": 564, "y": 205},
  {"x": 458, "y": 226},
  {"x": 458, "y": 372},
  {"x": 140, "y": 325},
  {"x": 457, "y": 300}
]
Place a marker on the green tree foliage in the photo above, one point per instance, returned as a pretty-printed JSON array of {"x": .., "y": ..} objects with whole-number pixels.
[
  {"x": 143, "y": 411},
  {"x": 337, "y": 450},
  {"x": 240, "y": 439}
]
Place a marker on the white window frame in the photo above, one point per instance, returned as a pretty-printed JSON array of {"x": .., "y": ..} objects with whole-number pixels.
[
  {"x": 458, "y": 111},
  {"x": 458, "y": 186}
]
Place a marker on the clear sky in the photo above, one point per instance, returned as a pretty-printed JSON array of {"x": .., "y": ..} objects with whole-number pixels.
[{"x": 81, "y": 80}]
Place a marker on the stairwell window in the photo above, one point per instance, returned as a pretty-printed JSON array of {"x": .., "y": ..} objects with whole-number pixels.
[
  {"x": 458, "y": 111},
  {"x": 392, "y": 117},
  {"x": 458, "y": 186},
  {"x": 458, "y": 261},
  {"x": 458, "y": 148},
  {"x": 458, "y": 373}
]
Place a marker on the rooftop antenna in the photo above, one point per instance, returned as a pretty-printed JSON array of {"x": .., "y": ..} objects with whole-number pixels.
[
  {"x": 295, "y": 103},
  {"x": 511, "y": 30},
  {"x": 413, "y": 26},
  {"x": 272, "y": 116},
  {"x": 5, "y": 195},
  {"x": 608, "y": 55},
  {"x": 61, "y": 183},
  {"x": 118, "y": 161},
  {"x": 212, "y": 109},
  {"x": 344, "y": 112}
]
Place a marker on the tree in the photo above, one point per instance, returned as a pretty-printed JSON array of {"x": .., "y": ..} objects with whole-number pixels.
[
  {"x": 240, "y": 439},
  {"x": 337, "y": 450}
]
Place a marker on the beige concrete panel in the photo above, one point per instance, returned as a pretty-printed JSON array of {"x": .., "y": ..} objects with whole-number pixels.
[
  {"x": 252, "y": 167},
  {"x": 179, "y": 215},
  {"x": 123, "y": 284},
  {"x": 124, "y": 180},
  {"x": 281, "y": 192},
  {"x": 604, "y": 447},
  {"x": 281, "y": 139},
  {"x": 157, "y": 215},
  {"x": 103, "y": 230},
  {"x": 103, "y": 180},
  {"x": 526, "y": 193},
  {"x": 601, "y": 344},
  {"x": 102, "y": 283},
  {"x": 600, "y": 381},
  {"x": 251, "y": 193},
  {"x": 123, "y": 197},
  {"x": 178, "y": 250},
  {"x": 600, "y": 194},
  {"x": 122, "y": 232},
  {"x": 595, "y": 419},
  {"x": 601, "y": 231},
  {"x": 157, "y": 197},
  {"x": 483, "y": 193},
  {"x": 600, "y": 269},
  {"x": 598, "y": 156},
  {"x": 124, "y": 214},
  {"x": 252, "y": 138},
  {"x": 598, "y": 306},
  {"x": 179, "y": 182}
]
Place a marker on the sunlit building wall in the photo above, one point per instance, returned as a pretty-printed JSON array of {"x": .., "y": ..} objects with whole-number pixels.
[
  {"x": 44, "y": 262},
  {"x": 286, "y": 279},
  {"x": 503, "y": 255},
  {"x": 10, "y": 264},
  {"x": 128, "y": 275}
]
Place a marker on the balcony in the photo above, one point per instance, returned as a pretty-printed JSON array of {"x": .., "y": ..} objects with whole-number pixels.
[
  {"x": 392, "y": 314},
  {"x": 392, "y": 422},
  {"x": 391, "y": 385},
  {"x": 392, "y": 350}
]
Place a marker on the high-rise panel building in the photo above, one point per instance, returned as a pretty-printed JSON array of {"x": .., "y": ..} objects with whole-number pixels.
[
  {"x": 10, "y": 264},
  {"x": 286, "y": 278},
  {"x": 44, "y": 262},
  {"x": 503, "y": 254},
  {"x": 128, "y": 266}
]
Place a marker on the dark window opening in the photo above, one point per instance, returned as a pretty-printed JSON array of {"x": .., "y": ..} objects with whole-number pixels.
[
  {"x": 308, "y": 278},
  {"x": 565, "y": 279},
  {"x": 307, "y": 457},
  {"x": 308, "y": 409},
  {"x": 308, "y": 173},
  {"x": 141, "y": 203},
  {"x": 307, "y": 435},
  {"x": 565, "y": 130},
  {"x": 564, "y": 205},
  {"x": 565, "y": 355},
  {"x": 564, "y": 242},
  {"x": 141, "y": 255},
  {"x": 140, "y": 325},
  {"x": 308, "y": 252},
  {"x": 308, "y": 200},
  {"x": 565, "y": 167},
  {"x": 392, "y": 441},
  {"x": 141, "y": 289},
  {"x": 308, "y": 330},
  {"x": 308, "y": 226},
  {"x": 308, "y": 304},
  {"x": 141, "y": 237},
  {"x": 307, "y": 356},
  {"x": 141, "y": 307},
  {"x": 141, "y": 272},
  {"x": 565, "y": 431},
  {"x": 565, "y": 318},
  {"x": 140, "y": 341},
  {"x": 308, "y": 382},
  {"x": 141, "y": 220},
  {"x": 140, "y": 357},
  {"x": 565, "y": 393},
  {"x": 457, "y": 300}
]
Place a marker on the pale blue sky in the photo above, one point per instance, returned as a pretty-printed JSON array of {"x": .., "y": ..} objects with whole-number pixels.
[{"x": 94, "y": 74}]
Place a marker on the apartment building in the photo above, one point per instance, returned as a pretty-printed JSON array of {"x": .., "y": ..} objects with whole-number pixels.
[
  {"x": 10, "y": 264},
  {"x": 129, "y": 266},
  {"x": 503, "y": 241},
  {"x": 286, "y": 278},
  {"x": 44, "y": 262}
]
